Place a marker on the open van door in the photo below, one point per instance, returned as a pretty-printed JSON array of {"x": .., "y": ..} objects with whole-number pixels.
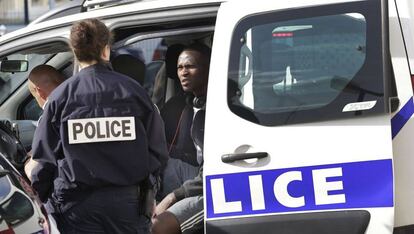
[{"x": 298, "y": 132}]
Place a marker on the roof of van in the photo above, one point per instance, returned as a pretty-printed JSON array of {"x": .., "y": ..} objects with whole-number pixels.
[{"x": 107, "y": 12}]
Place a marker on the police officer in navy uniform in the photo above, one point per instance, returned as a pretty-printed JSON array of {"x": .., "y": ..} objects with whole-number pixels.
[{"x": 100, "y": 137}]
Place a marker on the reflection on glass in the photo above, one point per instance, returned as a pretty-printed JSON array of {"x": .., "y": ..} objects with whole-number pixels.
[
  {"x": 16, "y": 209},
  {"x": 295, "y": 61},
  {"x": 305, "y": 70},
  {"x": 5, "y": 187}
]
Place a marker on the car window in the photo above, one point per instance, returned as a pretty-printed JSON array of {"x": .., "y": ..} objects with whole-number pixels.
[
  {"x": 9, "y": 82},
  {"x": 16, "y": 209},
  {"x": 305, "y": 69},
  {"x": 30, "y": 109},
  {"x": 5, "y": 187},
  {"x": 151, "y": 52}
]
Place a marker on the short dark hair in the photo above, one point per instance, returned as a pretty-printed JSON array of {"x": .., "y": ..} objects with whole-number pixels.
[
  {"x": 204, "y": 50},
  {"x": 44, "y": 74},
  {"x": 88, "y": 38}
]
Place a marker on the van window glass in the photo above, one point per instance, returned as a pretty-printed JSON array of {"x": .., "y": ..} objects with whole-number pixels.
[
  {"x": 5, "y": 188},
  {"x": 16, "y": 209},
  {"x": 151, "y": 53},
  {"x": 30, "y": 109},
  {"x": 10, "y": 81},
  {"x": 305, "y": 69}
]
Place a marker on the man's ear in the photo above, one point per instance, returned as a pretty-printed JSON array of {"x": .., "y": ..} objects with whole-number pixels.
[{"x": 42, "y": 94}]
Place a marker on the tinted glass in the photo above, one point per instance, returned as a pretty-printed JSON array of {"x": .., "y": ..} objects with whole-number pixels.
[
  {"x": 5, "y": 187},
  {"x": 308, "y": 68},
  {"x": 152, "y": 53},
  {"x": 16, "y": 209},
  {"x": 32, "y": 110}
]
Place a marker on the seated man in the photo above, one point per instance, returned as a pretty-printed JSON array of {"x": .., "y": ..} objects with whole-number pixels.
[
  {"x": 181, "y": 211},
  {"x": 178, "y": 114},
  {"x": 43, "y": 79}
]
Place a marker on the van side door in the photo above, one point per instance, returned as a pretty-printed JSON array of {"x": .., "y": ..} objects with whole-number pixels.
[{"x": 298, "y": 131}]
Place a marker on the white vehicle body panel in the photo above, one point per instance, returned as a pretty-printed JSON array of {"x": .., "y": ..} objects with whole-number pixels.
[
  {"x": 299, "y": 145},
  {"x": 406, "y": 14},
  {"x": 402, "y": 146}
]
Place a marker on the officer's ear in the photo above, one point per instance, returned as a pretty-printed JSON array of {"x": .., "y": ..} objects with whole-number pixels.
[{"x": 106, "y": 53}]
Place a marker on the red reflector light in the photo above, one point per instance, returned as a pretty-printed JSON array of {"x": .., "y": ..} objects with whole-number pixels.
[
  {"x": 412, "y": 82},
  {"x": 7, "y": 231},
  {"x": 285, "y": 34}
]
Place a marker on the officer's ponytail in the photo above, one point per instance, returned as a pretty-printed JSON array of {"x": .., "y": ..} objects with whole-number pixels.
[{"x": 88, "y": 38}]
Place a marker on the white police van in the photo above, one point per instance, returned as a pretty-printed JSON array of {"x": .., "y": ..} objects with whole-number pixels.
[{"x": 308, "y": 114}]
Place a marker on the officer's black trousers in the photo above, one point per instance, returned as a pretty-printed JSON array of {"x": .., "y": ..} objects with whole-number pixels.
[{"x": 107, "y": 210}]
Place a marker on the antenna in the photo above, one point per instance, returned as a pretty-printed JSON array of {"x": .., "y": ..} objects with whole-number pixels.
[{"x": 96, "y": 4}]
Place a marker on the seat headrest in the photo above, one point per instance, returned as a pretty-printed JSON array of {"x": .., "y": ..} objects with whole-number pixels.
[
  {"x": 171, "y": 58},
  {"x": 129, "y": 66}
]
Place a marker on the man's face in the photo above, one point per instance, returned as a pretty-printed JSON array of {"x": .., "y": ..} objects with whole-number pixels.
[{"x": 193, "y": 72}]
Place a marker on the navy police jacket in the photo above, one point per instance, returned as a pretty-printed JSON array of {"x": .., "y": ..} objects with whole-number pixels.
[{"x": 99, "y": 129}]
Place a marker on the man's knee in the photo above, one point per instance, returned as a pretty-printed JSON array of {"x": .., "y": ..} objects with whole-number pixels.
[{"x": 165, "y": 223}]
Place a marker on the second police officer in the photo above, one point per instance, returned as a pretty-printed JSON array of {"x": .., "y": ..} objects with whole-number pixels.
[{"x": 100, "y": 136}]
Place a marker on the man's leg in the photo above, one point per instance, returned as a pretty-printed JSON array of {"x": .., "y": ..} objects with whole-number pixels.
[
  {"x": 194, "y": 224},
  {"x": 165, "y": 223},
  {"x": 175, "y": 174},
  {"x": 185, "y": 216}
]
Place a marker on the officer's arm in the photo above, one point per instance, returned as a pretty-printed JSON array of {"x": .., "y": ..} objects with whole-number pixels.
[
  {"x": 156, "y": 138},
  {"x": 46, "y": 144}
]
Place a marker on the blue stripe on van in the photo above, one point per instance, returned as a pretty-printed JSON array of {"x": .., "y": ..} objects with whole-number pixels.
[
  {"x": 323, "y": 187},
  {"x": 402, "y": 117}
]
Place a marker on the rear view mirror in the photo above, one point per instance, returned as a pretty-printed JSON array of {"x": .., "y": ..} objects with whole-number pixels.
[{"x": 14, "y": 65}]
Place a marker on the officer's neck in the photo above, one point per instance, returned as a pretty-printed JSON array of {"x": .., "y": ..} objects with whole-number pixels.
[{"x": 83, "y": 65}]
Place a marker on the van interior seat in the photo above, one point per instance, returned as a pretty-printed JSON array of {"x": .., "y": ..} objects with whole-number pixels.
[
  {"x": 167, "y": 70},
  {"x": 151, "y": 70},
  {"x": 129, "y": 66}
]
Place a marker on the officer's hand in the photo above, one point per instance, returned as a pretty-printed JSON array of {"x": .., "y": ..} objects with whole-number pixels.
[
  {"x": 168, "y": 201},
  {"x": 29, "y": 167}
]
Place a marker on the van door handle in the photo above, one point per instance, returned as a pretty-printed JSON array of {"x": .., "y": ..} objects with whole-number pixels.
[{"x": 229, "y": 158}]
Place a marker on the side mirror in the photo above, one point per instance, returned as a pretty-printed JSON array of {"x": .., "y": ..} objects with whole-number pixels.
[{"x": 14, "y": 65}]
